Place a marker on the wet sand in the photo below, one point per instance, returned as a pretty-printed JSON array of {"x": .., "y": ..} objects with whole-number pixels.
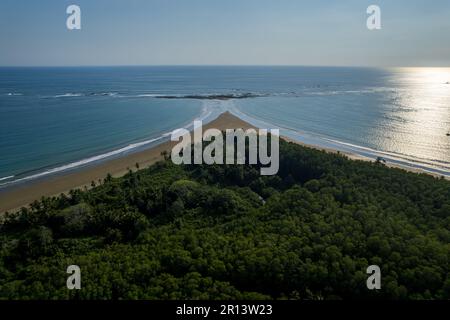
[{"x": 18, "y": 196}]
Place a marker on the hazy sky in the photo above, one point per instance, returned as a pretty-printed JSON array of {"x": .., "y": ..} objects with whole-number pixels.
[{"x": 273, "y": 32}]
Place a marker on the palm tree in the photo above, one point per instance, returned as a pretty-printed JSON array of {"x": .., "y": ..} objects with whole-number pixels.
[{"x": 165, "y": 154}]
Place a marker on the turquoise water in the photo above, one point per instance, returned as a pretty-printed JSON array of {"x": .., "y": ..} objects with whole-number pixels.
[{"x": 56, "y": 119}]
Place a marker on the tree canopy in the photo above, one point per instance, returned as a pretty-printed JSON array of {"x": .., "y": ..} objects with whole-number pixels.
[{"x": 225, "y": 232}]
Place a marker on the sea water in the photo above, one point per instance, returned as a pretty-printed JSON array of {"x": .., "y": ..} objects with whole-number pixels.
[{"x": 58, "y": 119}]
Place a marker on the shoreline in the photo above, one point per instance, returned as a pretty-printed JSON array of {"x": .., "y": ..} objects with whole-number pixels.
[
  {"x": 15, "y": 197},
  {"x": 22, "y": 195},
  {"x": 357, "y": 157}
]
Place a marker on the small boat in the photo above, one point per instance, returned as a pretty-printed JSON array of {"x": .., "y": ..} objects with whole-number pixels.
[{"x": 448, "y": 134}]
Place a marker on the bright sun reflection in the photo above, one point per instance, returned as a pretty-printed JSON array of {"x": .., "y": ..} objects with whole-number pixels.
[{"x": 421, "y": 113}]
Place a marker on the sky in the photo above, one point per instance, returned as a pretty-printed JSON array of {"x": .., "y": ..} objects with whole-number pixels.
[{"x": 225, "y": 32}]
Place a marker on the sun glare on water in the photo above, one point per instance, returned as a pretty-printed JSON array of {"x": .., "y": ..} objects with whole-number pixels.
[{"x": 421, "y": 109}]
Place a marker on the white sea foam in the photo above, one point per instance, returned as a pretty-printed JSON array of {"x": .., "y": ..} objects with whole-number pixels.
[
  {"x": 67, "y": 95},
  {"x": 428, "y": 165},
  {"x": 149, "y": 95},
  {"x": 109, "y": 94},
  {"x": 85, "y": 161},
  {"x": 80, "y": 94},
  {"x": 207, "y": 111}
]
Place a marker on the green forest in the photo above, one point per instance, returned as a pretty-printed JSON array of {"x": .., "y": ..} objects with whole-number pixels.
[{"x": 226, "y": 232}]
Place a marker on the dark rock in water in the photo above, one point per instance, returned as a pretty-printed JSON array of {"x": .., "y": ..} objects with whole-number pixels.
[{"x": 214, "y": 96}]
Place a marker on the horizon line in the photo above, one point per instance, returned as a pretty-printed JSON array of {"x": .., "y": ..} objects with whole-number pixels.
[{"x": 215, "y": 65}]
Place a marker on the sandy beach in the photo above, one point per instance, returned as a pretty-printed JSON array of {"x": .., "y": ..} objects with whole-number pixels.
[{"x": 14, "y": 198}]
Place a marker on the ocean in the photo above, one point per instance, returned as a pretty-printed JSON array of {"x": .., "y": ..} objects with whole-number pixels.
[{"x": 58, "y": 119}]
